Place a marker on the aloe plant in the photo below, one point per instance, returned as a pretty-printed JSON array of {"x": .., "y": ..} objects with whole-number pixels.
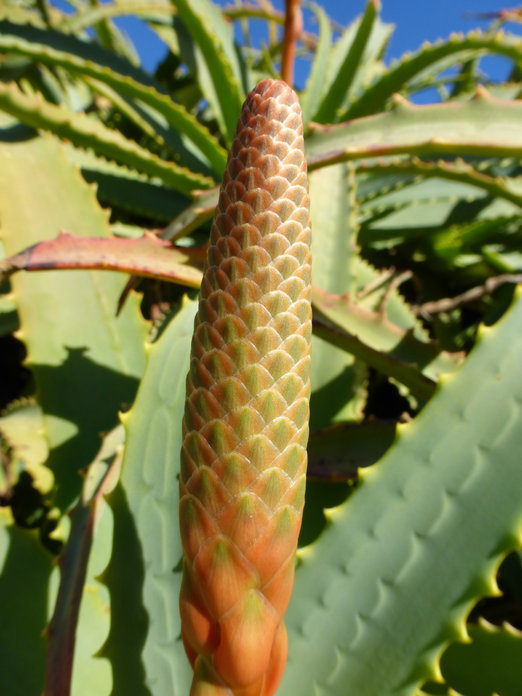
[{"x": 408, "y": 571}]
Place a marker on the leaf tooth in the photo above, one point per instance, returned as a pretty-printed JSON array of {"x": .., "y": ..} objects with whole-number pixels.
[
  {"x": 400, "y": 102},
  {"x": 331, "y": 514},
  {"x": 482, "y": 94},
  {"x": 436, "y": 673},
  {"x": 457, "y": 630},
  {"x": 457, "y": 37}
]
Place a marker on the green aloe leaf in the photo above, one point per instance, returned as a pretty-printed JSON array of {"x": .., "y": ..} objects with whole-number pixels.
[
  {"x": 457, "y": 170},
  {"x": 429, "y": 56},
  {"x": 370, "y": 587},
  {"x": 25, "y": 567},
  {"x": 337, "y": 378},
  {"x": 88, "y": 59},
  {"x": 87, "y": 132},
  {"x": 148, "y": 495},
  {"x": 416, "y": 208},
  {"x": 486, "y": 665},
  {"x": 408, "y": 374},
  {"x": 375, "y": 330},
  {"x": 126, "y": 189},
  {"x": 347, "y": 63},
  {"x": 85, "y": 361},
  {"x": 220, "y": 74},
  {"x": 375, "y": 295},
  {"x": 371, "y": 63},
  {"x": 21, "y": 15},
  {"x": 482, "y": 126},
  {"x": 81, "y": 617},
  {"x": 197, "y": 213},
  {"x": 88, "y": 16},
  {"x": 315, "y": 85}
]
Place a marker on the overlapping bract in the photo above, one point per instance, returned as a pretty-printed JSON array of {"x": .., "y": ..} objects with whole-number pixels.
[{"x": 246, "y": 416}]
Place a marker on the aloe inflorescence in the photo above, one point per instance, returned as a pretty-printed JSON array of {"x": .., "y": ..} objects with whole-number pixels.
[{"x": 245, "y": 427}]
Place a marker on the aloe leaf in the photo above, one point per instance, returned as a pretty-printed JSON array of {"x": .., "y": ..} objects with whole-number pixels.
[
  {"x": 373, "y": 185},
  {"x": 457, "y": 170},
  {"x": 376, "y": 294},
  {"x": 83, "y": 58},
  {"x": 81, "y": 617},
  {"x": 486, "y": 665},
  {"x": 345, "y": 72},
  {"x": 86, "y": 363},
  {"x": 370, "y": 586},
  {"x": 335, "y": 242},
  {"x": 88, "y": 16},
  {"x": 315, "y": 84},
  {"x": 221, "y": 80},
  {"x": 157, "y": 127},
  {"x": 126, "y": 189},
  {"x": 24, "y": 577},
  {"x": 111, "y": 39},
  {"x": 375, "y": 97},
  {"x": 455, "y": 240},
  {"x": 378, "y": 297},
  {"x": 371, "y": 65},
  {"x": 418, "y": 208},
  {"x": 123, "y": 578},
  {"x": 21, "y": 15},
  {"x": 334, "y": 250},
  {"x": 86, "y": 132},
  {"x": 484, "y": 126},
  {"x": 198, "y": 212},
  {"x": 421, "y": 387},
  {"x": 150, "y": 488},
  {"x": 383, "y": 345},
  {"x": 125, "y": 107},
  {"x": 376, "y": 330},
  {"x": 109, "y": 34},
  {"x": 147, "y": 256},
  {"x": 182, "y": 148}
]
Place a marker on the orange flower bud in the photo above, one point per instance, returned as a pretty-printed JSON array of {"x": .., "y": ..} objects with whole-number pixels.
[{"x": 246, "y": 418}]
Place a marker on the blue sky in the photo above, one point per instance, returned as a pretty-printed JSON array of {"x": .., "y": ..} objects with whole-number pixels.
[{"x": 415, "y": 22}]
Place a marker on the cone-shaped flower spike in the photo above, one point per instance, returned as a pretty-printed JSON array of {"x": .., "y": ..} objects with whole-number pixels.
[{"x": 246, "y": 417}]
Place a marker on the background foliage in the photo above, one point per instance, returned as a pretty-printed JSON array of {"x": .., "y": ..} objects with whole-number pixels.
[{"x": 409, "y": 577}]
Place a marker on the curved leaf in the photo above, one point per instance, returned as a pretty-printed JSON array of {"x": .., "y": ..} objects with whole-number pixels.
[
  {"x": 345, "y": 72},
  {"x": 402, "y": 561},
  {"x": 457, "y": 170},
  {"x": 315, "y": 85},
  {"x": 81, "y": 617},
  {"x": 150, "y": 486},
  {"x": 375, "y": 97},
  {"x": 225, "y": 90},
  {"x": 483, "y": 126},
  {"x": 84, "y": 58},
  {"x": 87, "y": 132},
  {"x": 337, "y": 378},
  {"x": 24, "y": 579},
  {"x": 488, "y": 664},
  {"x": 85, "y": 361}
]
